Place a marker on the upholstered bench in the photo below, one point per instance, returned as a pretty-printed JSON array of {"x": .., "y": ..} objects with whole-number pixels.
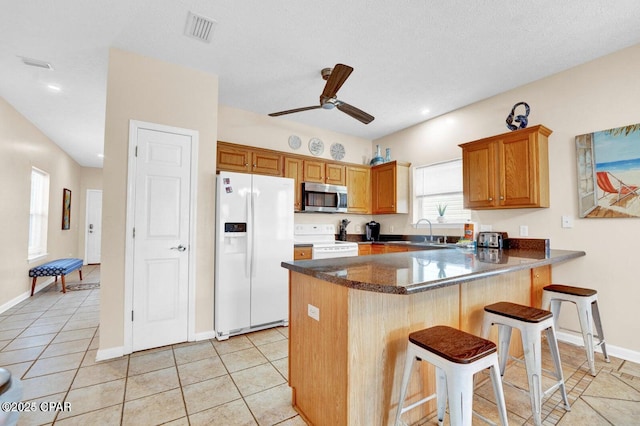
[{"x": 53, "y": 269}]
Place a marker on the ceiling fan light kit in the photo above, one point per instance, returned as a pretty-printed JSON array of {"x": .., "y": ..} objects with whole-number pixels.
[{"x": 335, "y": 78}]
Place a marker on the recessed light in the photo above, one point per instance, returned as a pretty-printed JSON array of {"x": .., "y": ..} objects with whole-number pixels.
[
  {"x": 54, "y": 87},
  {"x": 425, "y": 111},
  {"x": 101, "y": 155}
]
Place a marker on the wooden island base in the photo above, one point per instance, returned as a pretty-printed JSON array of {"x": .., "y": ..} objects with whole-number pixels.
[{"x": 345, "y": 368}]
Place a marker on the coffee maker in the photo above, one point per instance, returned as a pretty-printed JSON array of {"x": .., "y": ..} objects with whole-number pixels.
[{"x": 372, "y": 231}]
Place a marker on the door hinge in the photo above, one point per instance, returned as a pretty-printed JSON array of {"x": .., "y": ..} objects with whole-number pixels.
[
  {"x": 134, "y": 232},
  {"x": 136, "y": 153},
  {"x": 131, "y": 315}
]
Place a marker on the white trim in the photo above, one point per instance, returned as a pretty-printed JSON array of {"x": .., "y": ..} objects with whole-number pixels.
[
  {"x": 205, "y": 335},
  {"x": 612, "y": 350},
  {"x": 24, "y": 296},
  {"x": 134, "y": 126},
  {"x": 37, "y": 258},
  {"x": 104, "y": 354}
]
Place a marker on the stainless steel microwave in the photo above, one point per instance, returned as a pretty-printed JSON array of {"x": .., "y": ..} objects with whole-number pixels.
[{"x": 319, "y": 197}]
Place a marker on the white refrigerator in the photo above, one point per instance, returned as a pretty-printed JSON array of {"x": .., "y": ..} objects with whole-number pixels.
[{"x": 254, "y": 234}]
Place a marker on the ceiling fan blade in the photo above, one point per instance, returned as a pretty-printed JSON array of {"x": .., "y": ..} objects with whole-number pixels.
[
  {"x": 291, "y": 111},
  {"x": 339, "y": 75},
  {"x": 356, "y": 113}
]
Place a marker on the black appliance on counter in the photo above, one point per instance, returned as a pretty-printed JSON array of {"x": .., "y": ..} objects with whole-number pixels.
[{"x": 372, "y": 231}]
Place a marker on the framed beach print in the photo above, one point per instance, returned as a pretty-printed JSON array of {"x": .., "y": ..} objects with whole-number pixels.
[
  {"x": 66, "y": 208},
  {"x": 608, "y": 164}
]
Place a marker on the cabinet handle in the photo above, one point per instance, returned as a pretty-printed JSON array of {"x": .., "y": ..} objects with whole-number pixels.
[
  {"x": 490, "y": 199},
  {"x": 501, "y": 197},
  {"x": 254, "y": 166}
]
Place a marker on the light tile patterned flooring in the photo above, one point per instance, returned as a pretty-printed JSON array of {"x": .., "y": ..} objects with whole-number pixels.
[{"x": 50, "y": 342}]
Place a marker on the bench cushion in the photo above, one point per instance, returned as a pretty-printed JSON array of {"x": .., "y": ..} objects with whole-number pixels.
[{"x": 56, "y": 267}]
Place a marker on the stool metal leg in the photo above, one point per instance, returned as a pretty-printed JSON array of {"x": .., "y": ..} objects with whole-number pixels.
[
  {"x": 441, "y": 392},
  {"x": 598, "y": 323},
  {"x": 494, "y": 371},
  {"x": 533, "y": 363},
  {"x": 586, "y": 321},
  {"x": 460, "y": 393},
  {"x": 504, "y": 341},
  {"x": 555, "y": 355},
  {"x": 406, "y": 376}
]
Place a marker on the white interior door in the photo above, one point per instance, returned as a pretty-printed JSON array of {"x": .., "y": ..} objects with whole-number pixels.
[
  {"x": 93, "y": 239},
  {"x": 161, "y": 239}
]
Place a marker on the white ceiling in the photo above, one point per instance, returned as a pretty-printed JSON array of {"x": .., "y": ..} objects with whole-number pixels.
[{"x": 408, "y": 55}]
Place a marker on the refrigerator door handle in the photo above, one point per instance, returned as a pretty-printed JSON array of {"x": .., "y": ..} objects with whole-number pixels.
[
  {"x": 249, "y": 257},
  {"x": 252, "y": 233}
]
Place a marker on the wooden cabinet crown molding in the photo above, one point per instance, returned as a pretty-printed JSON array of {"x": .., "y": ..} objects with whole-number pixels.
[{"x": 510, "y": 170}]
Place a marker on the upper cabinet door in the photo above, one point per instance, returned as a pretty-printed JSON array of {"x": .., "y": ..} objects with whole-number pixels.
[
  {"x": 510, "y": 170},
  {"x": 266, "y": 163},
  {"x": 233, "y": 159},
  {"x": 359, "y": 189},
  {"x": 313, "y": 171},
  {"x": 479, "y": 162},
  {"x": 335, "y": 174},
  {"x": 293, "y": 170},
  {"x": 390, "y": 188}
]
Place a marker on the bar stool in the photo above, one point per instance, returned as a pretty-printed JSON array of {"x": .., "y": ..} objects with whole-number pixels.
[
  {"x": 531, "y": 322},
  {"x": 586, "y": 301},
  {"x": 457, "y": 356}
]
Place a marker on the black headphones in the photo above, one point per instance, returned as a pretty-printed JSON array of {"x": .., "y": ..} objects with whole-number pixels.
[{"x": 522, "y": 119}]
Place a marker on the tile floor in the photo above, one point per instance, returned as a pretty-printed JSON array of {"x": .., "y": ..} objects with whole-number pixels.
[{"x": 50, "y": 342}]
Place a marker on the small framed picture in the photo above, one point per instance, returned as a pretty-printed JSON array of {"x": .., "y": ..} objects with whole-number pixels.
[{"x": 66, "y": 208}]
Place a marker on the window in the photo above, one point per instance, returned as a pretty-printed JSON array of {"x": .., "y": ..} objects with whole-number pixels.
[
  {"x": 38, "y": 213},
  {"x": 439, "y": 183}
]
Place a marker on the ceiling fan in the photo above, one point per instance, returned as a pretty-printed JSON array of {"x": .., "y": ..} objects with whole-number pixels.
[{"x": 335, "y": 78}]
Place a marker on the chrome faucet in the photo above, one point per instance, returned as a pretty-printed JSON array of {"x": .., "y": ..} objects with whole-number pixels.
[{"x": 430, "y": 229}]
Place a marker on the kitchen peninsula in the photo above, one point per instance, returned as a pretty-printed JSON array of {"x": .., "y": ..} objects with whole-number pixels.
[{"x": 349, "y": 320}]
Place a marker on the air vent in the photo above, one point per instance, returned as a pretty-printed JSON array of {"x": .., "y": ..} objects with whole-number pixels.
[
  {"x": 200, "y": 27},
  {"x": 36, "y": 63}
]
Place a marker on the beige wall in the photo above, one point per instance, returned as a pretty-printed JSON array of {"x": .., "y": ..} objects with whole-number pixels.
[
  {"x": 599, "y": 95},
  {"x": 23, "y": 146},
  {"x": 145, "y": 89}
]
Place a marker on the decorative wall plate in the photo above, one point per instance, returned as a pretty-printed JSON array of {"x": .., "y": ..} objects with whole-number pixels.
[
  {"x": 294, "y": 142},
  {"x": 316, "y": 146},
  {"x": 337, "y": 151}
]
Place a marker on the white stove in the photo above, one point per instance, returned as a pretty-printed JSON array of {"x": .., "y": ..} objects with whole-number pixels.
[{"x": 323, "y": 241}]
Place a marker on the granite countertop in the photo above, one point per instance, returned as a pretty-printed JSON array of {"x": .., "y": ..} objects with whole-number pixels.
[{"x": 416, "y": 271}]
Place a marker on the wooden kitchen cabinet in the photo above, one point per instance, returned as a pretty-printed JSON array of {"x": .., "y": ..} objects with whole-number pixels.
[
  {"x": 293, "y": 170},
  {"x": 301, "y": 253},
  {"x": 390, "y": 188},
  {"x": 238, "y": 158},
  {"x": 364, "y": 249},
  {"x": 335, "y": 174},
  {"x": 359, "y": 189},
  {"x": 322, "y": 172},
  {"x": 510, "y": 170},
  {"x": 378, "y": 249}
]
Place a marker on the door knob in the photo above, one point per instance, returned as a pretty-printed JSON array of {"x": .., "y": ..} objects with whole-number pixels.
[{"x": 179, "y": 248}]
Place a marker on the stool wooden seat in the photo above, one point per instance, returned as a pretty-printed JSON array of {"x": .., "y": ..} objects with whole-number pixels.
[
  {"x": 586, "y": 301},
  {"x": 457, "y": 356},
  {"x": 531, "y": 322}
]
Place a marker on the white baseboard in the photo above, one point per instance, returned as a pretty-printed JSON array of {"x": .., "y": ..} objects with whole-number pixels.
[
  {"x": 205, "y": 335},
  {"x": 612, "y": 350},
  {"x": 24, "y": 296},
  {"x": 104, "y": 354}
]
